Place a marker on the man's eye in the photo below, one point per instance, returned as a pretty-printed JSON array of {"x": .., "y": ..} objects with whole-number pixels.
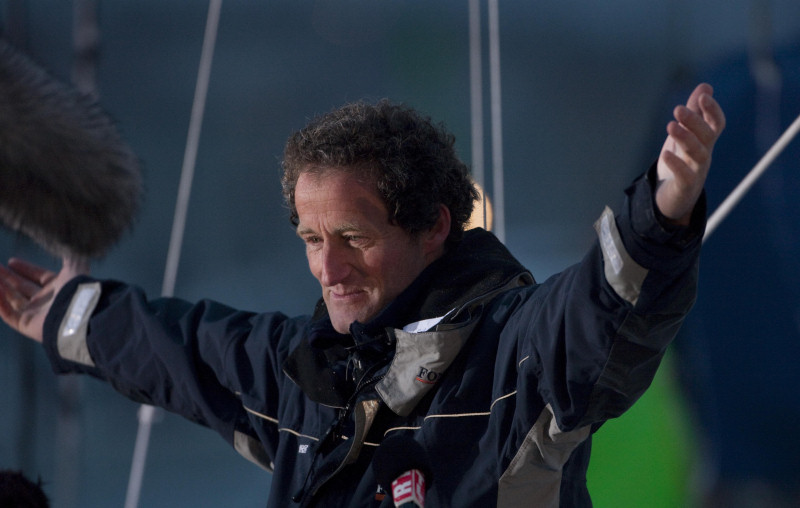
[{"x": 313, "y": 240}]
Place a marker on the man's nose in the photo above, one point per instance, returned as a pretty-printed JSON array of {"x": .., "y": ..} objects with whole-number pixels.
[{"x": 335, "y": 265}]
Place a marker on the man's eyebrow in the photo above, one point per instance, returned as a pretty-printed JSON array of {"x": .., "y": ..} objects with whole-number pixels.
[
  {"x": 342, "y": 228},
  {"x": 301, "y": 231}
]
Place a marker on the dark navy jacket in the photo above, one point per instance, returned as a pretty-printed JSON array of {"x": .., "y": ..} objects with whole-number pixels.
[{"x": 501, "y": 380}]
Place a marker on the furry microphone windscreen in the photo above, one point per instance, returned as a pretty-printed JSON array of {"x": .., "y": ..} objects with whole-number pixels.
[{"x": 67, "y": 179}]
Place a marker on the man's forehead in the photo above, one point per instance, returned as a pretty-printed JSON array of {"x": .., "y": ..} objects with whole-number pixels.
[{"x": 338, "y": 201}]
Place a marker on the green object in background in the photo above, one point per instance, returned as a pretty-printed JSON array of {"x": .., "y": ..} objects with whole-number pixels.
[{"x": 644, "y": 458}]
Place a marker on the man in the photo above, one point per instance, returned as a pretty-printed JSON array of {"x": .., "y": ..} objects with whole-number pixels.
[{"x": 423, "y": 330}]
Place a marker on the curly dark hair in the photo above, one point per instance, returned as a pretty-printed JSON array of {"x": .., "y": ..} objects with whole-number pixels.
[
  {"x": 411, "y": 160},
  {"x": 17, "y": 491}
]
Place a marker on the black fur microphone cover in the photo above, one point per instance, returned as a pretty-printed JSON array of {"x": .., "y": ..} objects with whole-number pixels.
[{"x": 67, "y": 179}]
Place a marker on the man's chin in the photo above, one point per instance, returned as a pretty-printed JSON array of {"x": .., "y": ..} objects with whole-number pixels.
[
  {"x": 341, "y": 322},
  {"x": 341, "y": 328},
  {"x": 343, "y": 315}
]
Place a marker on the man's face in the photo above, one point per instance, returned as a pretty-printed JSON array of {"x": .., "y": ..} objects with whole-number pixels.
[{"x": 361, "y": 260}]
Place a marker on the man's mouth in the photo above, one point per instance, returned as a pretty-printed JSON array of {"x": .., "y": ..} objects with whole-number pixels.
[{"x": 345, "y": 294}]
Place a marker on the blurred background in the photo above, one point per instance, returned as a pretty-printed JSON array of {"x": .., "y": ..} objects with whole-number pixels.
[{"x": 586, "y": 91}]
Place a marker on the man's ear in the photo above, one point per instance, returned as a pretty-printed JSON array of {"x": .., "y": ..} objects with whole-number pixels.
[{"x": 435, "y": 238}]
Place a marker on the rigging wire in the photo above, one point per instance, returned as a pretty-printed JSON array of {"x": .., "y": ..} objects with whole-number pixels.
[
  {"x": 493, "y": 219},
  {"x": 192, "y": 144},
  {"x": 498, "y": 191},
  {"x": 738, "y": 193},
  {"x": 147, "y": 414},
  {"x": 476, "y": 101}
]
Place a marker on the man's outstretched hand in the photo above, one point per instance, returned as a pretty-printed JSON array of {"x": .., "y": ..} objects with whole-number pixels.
[
  {"x": 27, "y": 292},
  {"x": 686, "y": 155}
]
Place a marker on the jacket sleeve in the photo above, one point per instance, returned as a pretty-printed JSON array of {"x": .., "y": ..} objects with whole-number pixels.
[
  {"x": 603, "y": 325},
  {"x": 196, "y": 360}
]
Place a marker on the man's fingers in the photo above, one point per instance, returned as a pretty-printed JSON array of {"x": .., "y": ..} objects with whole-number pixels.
[
  {"x": 682, "y": 174},
  {"x": 702, "y": 114},
  {"x": 11, "y": 300},
  {"x": 707, "y": 120},
  {"x": 686, "y": 154},
  {"x": 9, "y": 314},
  {"x": 713, "y": 114},
  {"x": 697, "y": 125},
  {"x": 694, "y": 152},
  {"x": 693, "y": 102},
  {"x": 32, "y": 272},
  {"x": 13, "y": 282}
]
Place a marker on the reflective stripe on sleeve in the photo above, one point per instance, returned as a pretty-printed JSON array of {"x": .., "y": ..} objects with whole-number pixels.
[
  {"x": 72, "y": 332},
  {"x": 622, "y": 273}
]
